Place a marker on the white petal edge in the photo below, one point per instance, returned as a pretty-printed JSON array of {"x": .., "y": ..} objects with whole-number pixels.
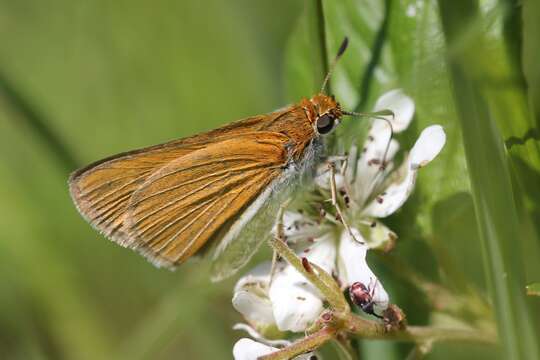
[
  {"x": 426, "y": 148},
  {"x": 259, "y": 275},
  {"x": 401, "y": 105},
  {"x": 379, "y": 236},
  {"x": 354, "y": 268},
  {"x": 247, "y": 349},
  {"x": 295, "y": 302},
  {"x": 258, "y": 337},
  {"x": 255, "y": 308},
  {"x": 251, "y": 296}
]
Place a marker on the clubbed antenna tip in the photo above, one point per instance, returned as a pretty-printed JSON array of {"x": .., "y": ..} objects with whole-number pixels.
[
  {"x": 343, "y": 47},
  {"x": 340, "y": 52}
]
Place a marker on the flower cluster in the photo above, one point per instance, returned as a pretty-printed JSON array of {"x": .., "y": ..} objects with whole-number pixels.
[{"x": 370, "y": 187}]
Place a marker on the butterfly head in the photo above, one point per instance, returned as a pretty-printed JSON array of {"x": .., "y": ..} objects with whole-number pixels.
[{"x": 327, "y": 113}]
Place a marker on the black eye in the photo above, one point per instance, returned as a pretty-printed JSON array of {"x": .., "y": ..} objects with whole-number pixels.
[{"x": 325, "y": 124}]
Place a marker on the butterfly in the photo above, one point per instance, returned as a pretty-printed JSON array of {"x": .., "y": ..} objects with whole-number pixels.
[{"x": 177, "y": 199}]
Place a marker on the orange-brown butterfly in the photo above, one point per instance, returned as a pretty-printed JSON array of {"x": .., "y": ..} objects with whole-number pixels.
[{"x": 170, "y": 201}]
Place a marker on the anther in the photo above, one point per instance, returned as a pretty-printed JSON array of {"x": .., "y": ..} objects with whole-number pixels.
[{"x": 307, "y": 265}]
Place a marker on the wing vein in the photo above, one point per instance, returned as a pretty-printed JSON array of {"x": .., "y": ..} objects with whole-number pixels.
[
  {"x": 168, "y": 225},
  {"x": 177, "y": 186}
]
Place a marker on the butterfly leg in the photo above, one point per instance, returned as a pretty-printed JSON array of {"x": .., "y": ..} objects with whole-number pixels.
[{"x": 334, "y": 201}]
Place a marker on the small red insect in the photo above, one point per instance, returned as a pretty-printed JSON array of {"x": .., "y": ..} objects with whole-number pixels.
[{"x": 362, "y": 296}]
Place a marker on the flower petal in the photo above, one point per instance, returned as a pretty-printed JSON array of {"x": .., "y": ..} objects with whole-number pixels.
[
  {"x": 354, "y": 268},
  {"x": 296, "y": 303},
  {"x": 298, "y": 228},
  {"x": 352, "y": 159},
  {"x": 426, "y": 148},
  {"x": 322, "y": 178},
  {"x": 251, "y": 296},
  {"x": 247, "y": 349},
  {"x": 259, "y": 275},
  {"x": 259, "y": 337},
  {"x": 401, "y": 105},
  {"x": 255, "y": 308},
  {"x": 378, "y": 236},
  {"x": 368, "y": 169}
]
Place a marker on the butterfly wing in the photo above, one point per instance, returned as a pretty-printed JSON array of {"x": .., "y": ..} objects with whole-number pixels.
[
  {"x": 232, "y": 254},
  {"x": 102, "y": 190},
  {"x": 191, "y": 200}
]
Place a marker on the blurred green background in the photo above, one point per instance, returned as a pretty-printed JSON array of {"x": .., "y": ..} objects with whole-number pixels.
[
  {"x": 81, "y": 80},
  {"x": 108, "y": 76}
]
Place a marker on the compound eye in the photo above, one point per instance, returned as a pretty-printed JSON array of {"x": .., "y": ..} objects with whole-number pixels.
[{"x": 325, "y": 124}]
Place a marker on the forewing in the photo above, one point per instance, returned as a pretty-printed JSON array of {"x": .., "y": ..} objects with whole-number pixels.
[
  {"x": 102, "y": 190},
  {"x": 185, "y": 203}
]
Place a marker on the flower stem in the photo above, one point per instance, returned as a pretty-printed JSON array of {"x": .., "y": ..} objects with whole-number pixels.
[
  {"x": 309, "y": 343},
  {"x": 420, "y": 334},
  {"x": 368, "y": 329},
  {"x": 318, "y": 278}
]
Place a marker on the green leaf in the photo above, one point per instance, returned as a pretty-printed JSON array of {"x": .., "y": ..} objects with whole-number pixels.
[
  {"x": 531, "y": 55},
  {"x": 306, "y": 57}
]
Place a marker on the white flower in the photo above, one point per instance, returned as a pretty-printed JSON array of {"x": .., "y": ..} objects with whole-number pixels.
[
  {"x": 374, "y": 190},
  {"x": 289, "y": 302}
]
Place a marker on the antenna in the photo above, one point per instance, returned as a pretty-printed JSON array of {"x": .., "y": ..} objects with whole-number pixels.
[{"x": 340, "y": 52}]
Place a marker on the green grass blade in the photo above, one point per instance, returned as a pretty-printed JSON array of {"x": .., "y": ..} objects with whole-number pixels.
[
  {"x": 306, "y": 58},
  {"x": 490, "y": 176}
]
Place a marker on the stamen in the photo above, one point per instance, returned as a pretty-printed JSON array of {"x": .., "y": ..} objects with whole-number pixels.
[{"x": 307, "y": 266}]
